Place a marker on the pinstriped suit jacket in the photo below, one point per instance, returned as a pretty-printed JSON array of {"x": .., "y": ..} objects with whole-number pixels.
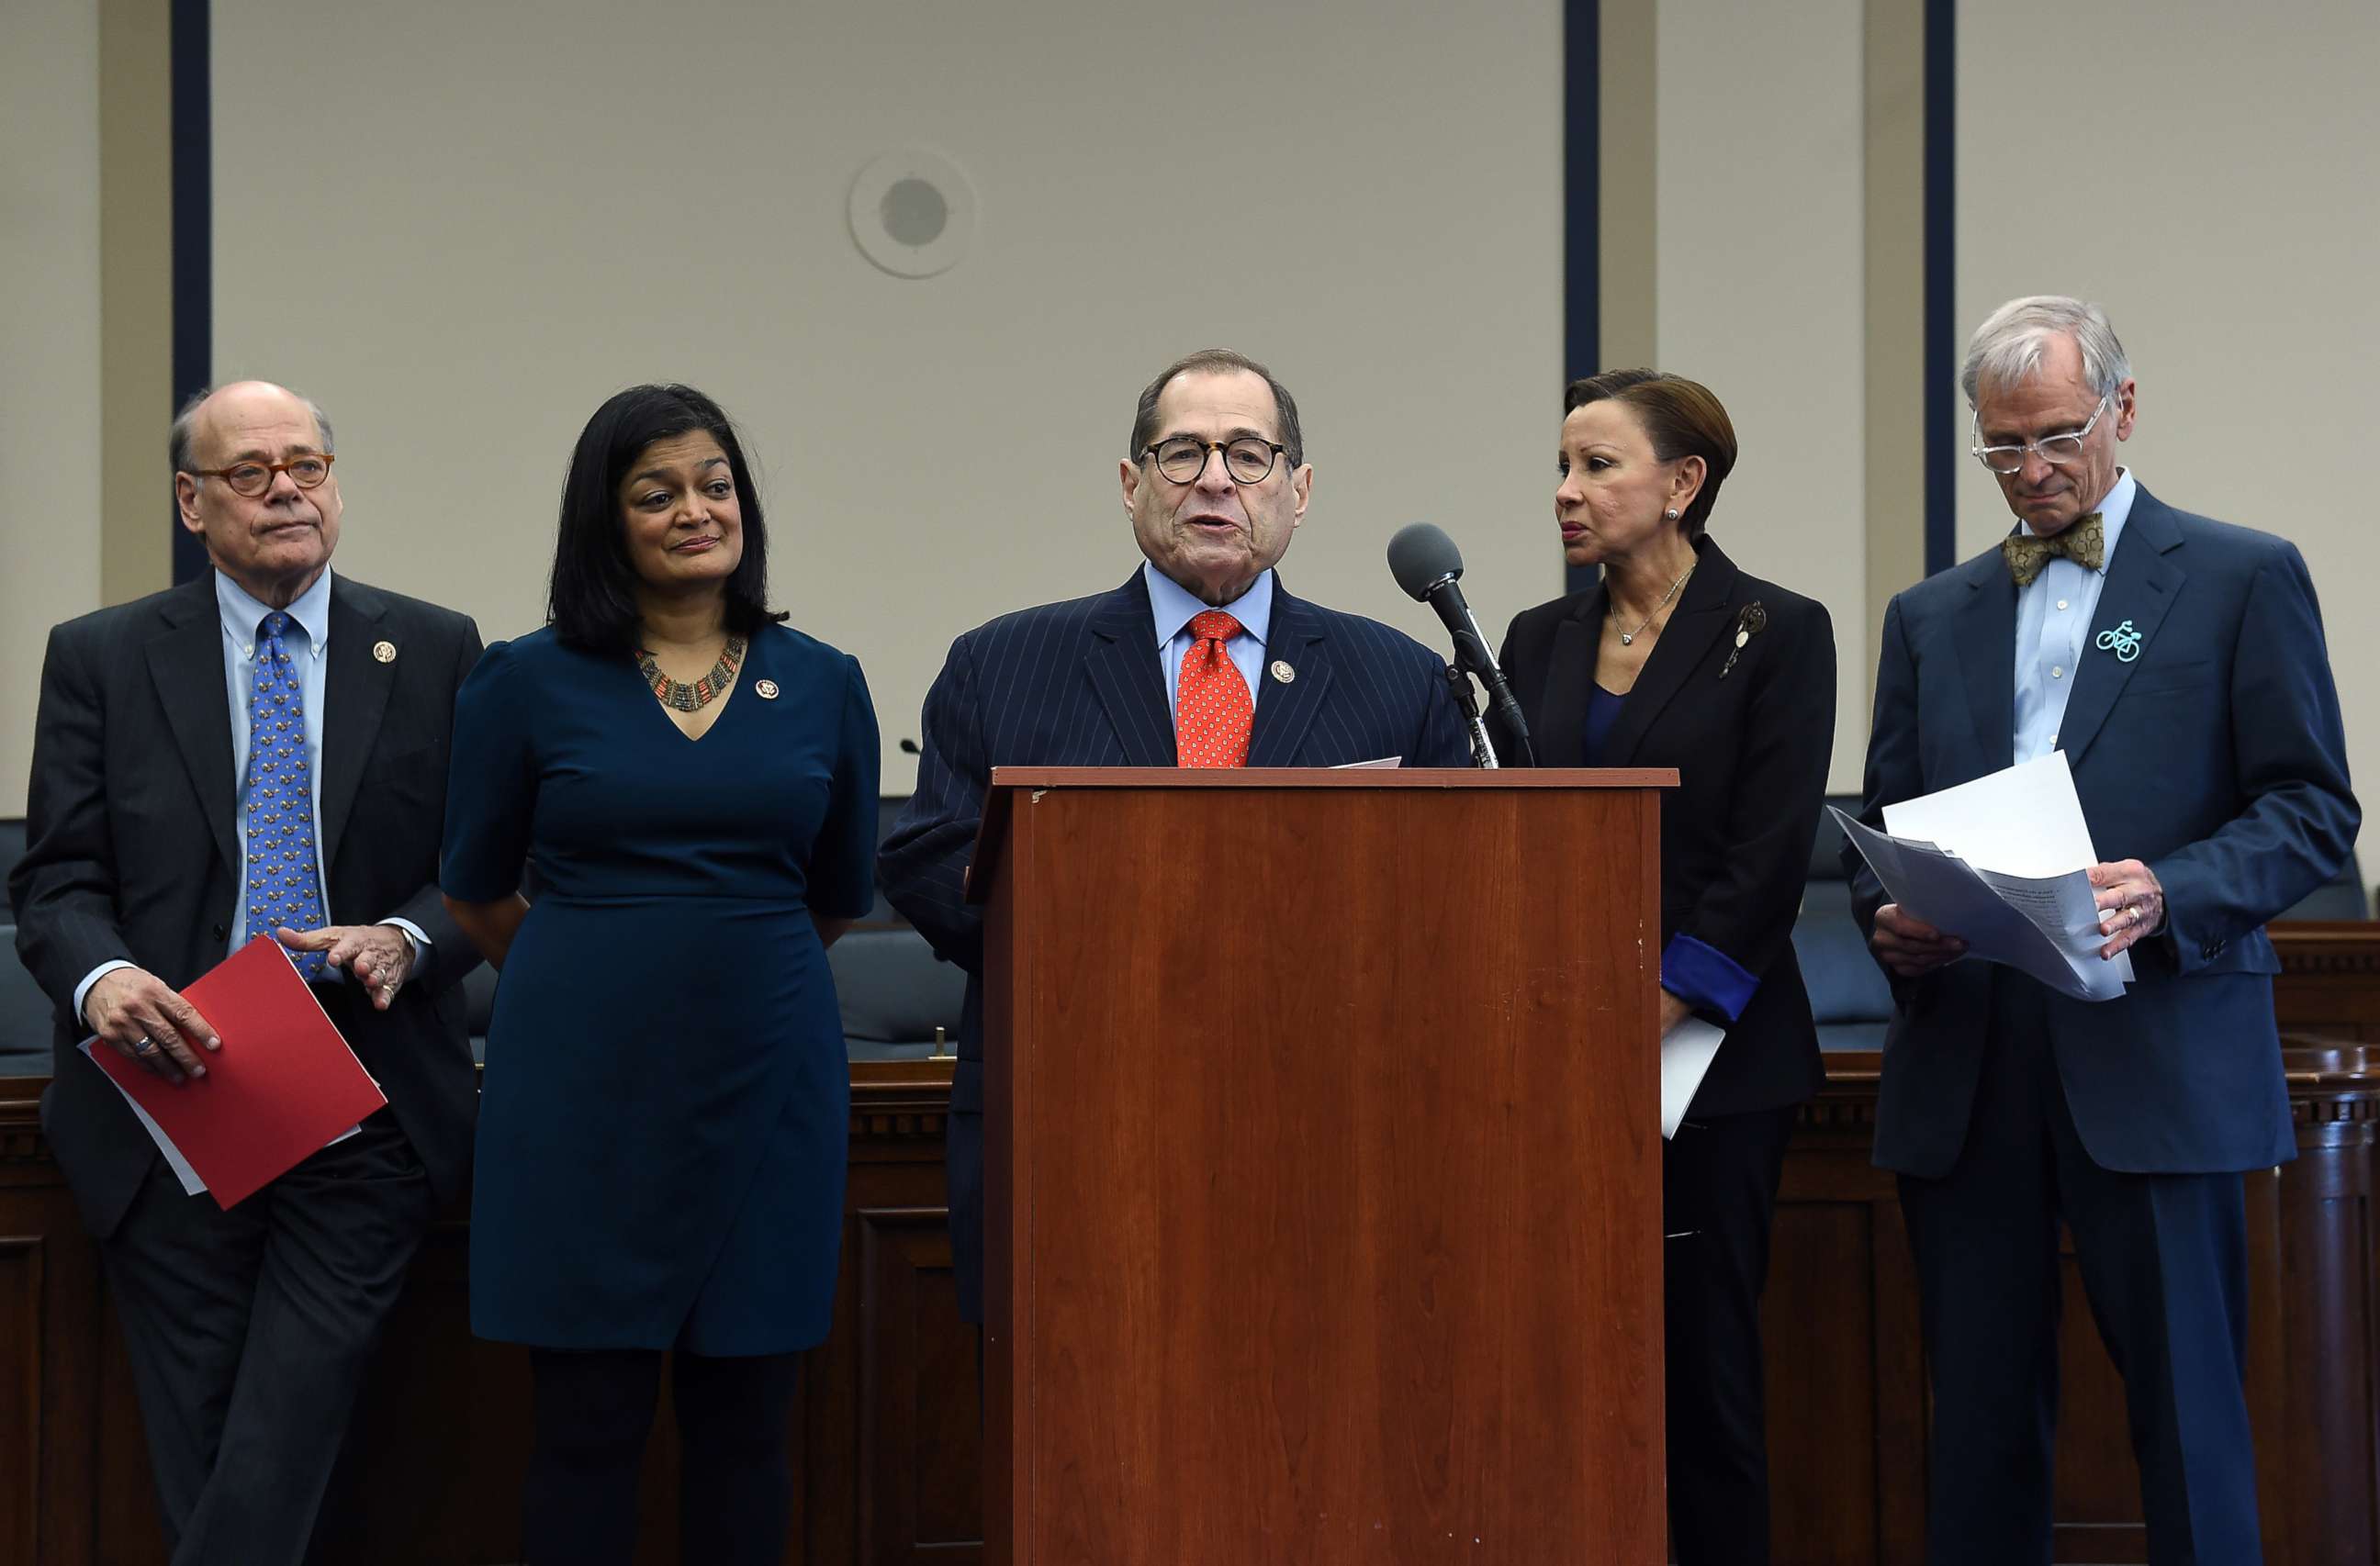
[{"x": 1079, "y": 684}]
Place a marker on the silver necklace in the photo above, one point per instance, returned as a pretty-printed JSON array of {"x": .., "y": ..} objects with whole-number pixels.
[{"x": 1628, "y": 638}]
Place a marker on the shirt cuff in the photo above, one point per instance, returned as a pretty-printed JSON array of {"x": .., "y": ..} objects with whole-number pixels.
[
  {"x": 1706, "y": 977},
  {"x": 413, "y": 936},
  {"x": 91, "y": 979}
]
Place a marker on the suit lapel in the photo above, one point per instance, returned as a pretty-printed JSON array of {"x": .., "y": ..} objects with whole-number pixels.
[
  {"x": 1559, "y": 737},
  {"x": 1128, "y": 677},
  {"x": 1702, "y": 613},
  {"x": 1985, "y": 632},
  {"x": 1295, "y": 636},
  {"x": 2142, "y": 581},
  {"x": 354, "y": 695},
  {"x": 187, "y": 664}
]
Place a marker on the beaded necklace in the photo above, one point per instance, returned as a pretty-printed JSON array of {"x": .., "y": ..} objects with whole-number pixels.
[{"x": 695, "y": 696}]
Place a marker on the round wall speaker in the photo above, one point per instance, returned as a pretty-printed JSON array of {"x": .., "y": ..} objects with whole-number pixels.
[{"x": 912, "y": 213}]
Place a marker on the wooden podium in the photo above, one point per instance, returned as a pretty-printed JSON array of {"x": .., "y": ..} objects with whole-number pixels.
[{"x": 1323, "y": 1170}]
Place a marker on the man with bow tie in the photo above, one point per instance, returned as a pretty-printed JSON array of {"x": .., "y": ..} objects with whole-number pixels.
[
  {"x": 1200, "y": 658},
  {"x": 2179, "y": 665},
  {"x": 258, "y": 753}
]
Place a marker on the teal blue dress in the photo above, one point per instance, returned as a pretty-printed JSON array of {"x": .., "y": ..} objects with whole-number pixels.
[{"x": 666, "y": 1103}]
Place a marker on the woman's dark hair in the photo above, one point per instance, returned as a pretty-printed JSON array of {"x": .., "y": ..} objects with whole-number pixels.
[
  {"x": 591, "y": 597},
  {"x": 1681, "y": 417}
]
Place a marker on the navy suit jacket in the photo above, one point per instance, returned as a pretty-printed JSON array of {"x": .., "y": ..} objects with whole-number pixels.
[
  {"x": 2216, "y": 757},
  {"x": 1079, "y": 684}
]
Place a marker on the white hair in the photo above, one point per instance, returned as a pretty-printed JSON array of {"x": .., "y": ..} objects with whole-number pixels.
[{"x": 2008, "y": 345}]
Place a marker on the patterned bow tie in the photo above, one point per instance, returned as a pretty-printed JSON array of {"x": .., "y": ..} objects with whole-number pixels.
[{"x": 2083, "y": 543}]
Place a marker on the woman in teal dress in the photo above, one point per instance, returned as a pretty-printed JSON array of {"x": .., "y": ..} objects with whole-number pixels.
[{"x": 665, "y": 1105}]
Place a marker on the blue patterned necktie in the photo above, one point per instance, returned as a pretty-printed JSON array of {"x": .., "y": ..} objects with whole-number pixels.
[{"x": 284, "y": 885}]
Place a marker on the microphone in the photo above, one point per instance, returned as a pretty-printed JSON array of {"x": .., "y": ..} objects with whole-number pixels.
[{"x": 1427, "y": 565}]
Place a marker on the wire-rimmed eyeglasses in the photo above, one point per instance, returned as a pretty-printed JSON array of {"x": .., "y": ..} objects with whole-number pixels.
[{"x": 2057, "y": 450}]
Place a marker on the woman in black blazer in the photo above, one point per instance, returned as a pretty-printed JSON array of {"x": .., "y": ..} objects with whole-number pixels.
[{"x": 1678, "y": 659}]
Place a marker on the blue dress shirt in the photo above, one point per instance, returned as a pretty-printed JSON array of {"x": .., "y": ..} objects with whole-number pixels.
[
  {"x": 2053, "y": 625},
  {"x": 1171, "y": 607},
  {"x": 307, "y": 640}
]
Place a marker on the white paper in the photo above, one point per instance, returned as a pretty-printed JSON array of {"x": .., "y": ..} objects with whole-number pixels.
[
  {"x": 2043, "y": 926},
  {"x": 2022, "y": 821},
  {"x": 2025, "y": 822},
  {"x": 1687, "y": 1052},
  {"x": 191, "y": 1185},
  {"x": 1359, "y": 766}
]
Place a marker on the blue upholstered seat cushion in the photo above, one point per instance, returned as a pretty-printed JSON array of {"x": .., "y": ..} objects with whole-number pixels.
[
  {"x": 1846, "y": 987},
  {"x": 893, "y": 988},
  {"x": 24, "y": 1015}
]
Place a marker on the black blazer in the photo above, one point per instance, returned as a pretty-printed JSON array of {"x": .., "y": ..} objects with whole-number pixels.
[
  {"x": 1751, "y": 749},
  {"x": 130, "y": 849}
]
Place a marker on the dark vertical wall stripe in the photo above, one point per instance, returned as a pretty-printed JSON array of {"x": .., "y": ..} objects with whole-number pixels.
[
  {"x": 194, "y": 300},
  {"x": 1941, "y": 325},
  {"x": 1582, "y": 209}
]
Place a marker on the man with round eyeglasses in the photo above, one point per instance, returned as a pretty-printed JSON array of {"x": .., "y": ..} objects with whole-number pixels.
[
  {"x": 1200, "y": 658},
  {"x": 257, "y": 754},
  {"x": 2179, "y": 664}
]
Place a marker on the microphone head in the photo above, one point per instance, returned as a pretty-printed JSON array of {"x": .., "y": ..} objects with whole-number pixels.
[{"x": 1421, "y": 556}]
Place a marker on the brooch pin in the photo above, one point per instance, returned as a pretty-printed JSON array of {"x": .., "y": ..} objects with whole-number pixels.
[
  {"x": 1748, "y": 624},
  {"x": 2123, "y": 641},
  {"x": 1282, "y": 672},
  {"x": 385, "y": 651},
  {"x": 766, "y": 690}
]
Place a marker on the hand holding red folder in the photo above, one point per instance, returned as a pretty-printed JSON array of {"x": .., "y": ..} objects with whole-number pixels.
[{"x": 283, "y": 1084}]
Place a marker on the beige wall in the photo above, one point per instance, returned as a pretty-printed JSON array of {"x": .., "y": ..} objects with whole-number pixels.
[
  {"x": 2209, "y": 180},
  {"x": 1759, "y": 162},
  {"x": 510, "y": 211},
  {"x": 49, "y": 340},
  {"x": 506, "y": 212}
]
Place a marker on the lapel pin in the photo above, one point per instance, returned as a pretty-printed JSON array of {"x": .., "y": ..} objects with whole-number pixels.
[
  {"x": 1748, "y": 624},
  {"x": 1282, "y": 672},
  {"x": 385, "y": 651},
  {"x": 766, "y": 690},
  {"x": 2123, "y": 641}
]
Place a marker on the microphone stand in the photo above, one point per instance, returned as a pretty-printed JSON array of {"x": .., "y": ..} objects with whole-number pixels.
[{"x": 1483, "y": 752}]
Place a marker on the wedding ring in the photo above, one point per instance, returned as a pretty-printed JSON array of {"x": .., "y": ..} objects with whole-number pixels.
[{"x": 144, "y": 1046}]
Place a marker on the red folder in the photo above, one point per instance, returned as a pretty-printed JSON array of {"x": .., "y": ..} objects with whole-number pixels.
[{"x": 281, "y": 1088}]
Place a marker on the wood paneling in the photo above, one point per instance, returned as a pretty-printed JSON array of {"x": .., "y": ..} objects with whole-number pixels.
[
  {"x": 921, "y": 1421},
  {"x": 887, "y": 1431},
  {"x": 21, "y": 1338},
  {"x": 1272, "y": 1301},
  {"x": 2313, "y": 1362}
]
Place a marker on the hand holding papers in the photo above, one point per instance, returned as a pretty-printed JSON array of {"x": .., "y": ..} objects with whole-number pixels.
[
  {"x": 283, "y": 1084},
  {"x": 2002, "y": 863},
  {"x": 1687, "y": 1052}
]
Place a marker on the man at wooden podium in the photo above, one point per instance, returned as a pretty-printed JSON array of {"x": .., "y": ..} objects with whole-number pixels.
[
  {"x": 2179, "y": 665},
  {"x": 1200, "y": 658}
]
